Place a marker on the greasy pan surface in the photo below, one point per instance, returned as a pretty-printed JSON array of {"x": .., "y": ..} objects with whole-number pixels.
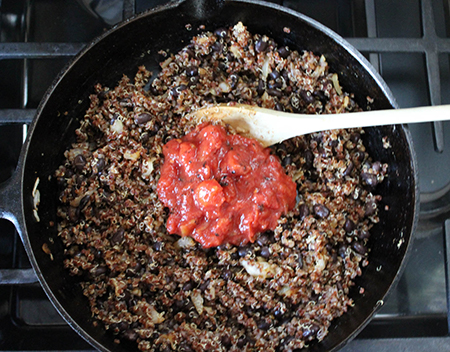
[{"x": 137, "y": 42}]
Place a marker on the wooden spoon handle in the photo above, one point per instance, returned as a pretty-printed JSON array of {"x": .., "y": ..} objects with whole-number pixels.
[{"x": 270, "y": 126}]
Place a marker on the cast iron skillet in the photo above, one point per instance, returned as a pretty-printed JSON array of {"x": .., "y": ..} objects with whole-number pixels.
[{"x": 136, "y": 42}]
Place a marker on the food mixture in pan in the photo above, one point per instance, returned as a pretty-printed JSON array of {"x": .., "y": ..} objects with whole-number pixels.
[{"x": 164, "y": 292}]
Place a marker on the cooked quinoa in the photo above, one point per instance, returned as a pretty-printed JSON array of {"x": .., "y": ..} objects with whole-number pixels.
[{"x": 167, "y": 293}]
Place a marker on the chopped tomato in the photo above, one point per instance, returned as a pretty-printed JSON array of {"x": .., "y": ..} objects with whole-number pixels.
[{"x": 222, "y": 188}]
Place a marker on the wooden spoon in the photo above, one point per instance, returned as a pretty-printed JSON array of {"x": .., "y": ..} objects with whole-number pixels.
[{"x": 271, "y": 126}]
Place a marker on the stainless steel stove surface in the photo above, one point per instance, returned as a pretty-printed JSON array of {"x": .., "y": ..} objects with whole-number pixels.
[{"x": 406, "y": 40}]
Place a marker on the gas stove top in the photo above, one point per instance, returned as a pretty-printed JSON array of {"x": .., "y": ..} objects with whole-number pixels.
[{"x": 407, "y": 41}]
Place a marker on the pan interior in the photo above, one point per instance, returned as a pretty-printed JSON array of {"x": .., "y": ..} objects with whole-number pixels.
[{"x": 136, "y": 43}]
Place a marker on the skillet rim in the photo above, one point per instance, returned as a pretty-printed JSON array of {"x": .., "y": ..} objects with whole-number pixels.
[{"x": 341, "y": 42}]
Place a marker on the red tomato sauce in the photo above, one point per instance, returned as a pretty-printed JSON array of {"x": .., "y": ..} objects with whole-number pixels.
[{"x": 222, "y": 188}]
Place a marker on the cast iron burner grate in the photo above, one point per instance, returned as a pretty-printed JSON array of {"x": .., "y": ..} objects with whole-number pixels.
[{"x": 407, "y": 41}]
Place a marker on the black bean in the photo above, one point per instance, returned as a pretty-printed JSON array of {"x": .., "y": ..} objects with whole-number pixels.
[
  {"x": 363, "y": 234},
  {"x": 204, "y": 285},
  {"x": 334, "y": 257},
  {"x": 227, "y": 274},
  {"x": 307, "y": 97},
  {"x": 370, "y": 208},
  {"x": 99, "y": 270},
  {"x": 178, "y": 305},
  {"x": 321, "y": 211},
  {"x": 131, "y": 302},
  {"x": 309, "y": 158},
  {"x": 222, "y": 66},
  {"x": 274, "y": 75},
  {"x": 243, "y": 251},
  {"x": 342, "y": 250},
  {"x": 349, "y": 225},
  {"x": 261, "y": 87},
  {"x": 126, "y": 102},
  {"x": 348, "y": 169},
  {"x": 97, "y": 253},
  {"x": 83, "y": 202},
  {"x": 192, "y": 71},
  {"x": 303, "y": 211},
  {"x": 234, "y": 78},
  {"x": 145, "y": 137},
  {"x": 157, "y": 246},
  {"x": 114, "y": 118},
  {"x": 154, "y": 90},
  {"x": 314, "y": 296},
  {"x": 188, "y": 286},
  {"x": 279, "y": 106},
  {"x": 281, "y": 148},
  {"x": 278, "y": 313},
  {"x": 284, "y": 52},
  {"x": 265, "y": 252},
  {"x": 358, "y": 157},
  {"x": 262, "y": 239},
  {"x": 334, "y": 143},
  {"x": 101, "y": 163},
  {"x": 358, "y": 247},
  {"x": 321, "y": 96},
  {"x": 242, "y": 341},
  {"x": 285, "y": 75},
  {"x": 286, "y": 161},
  {"x": 369, "y": 179},
  {"x": 140, "y": 119},
  {"x": 300, "y": 261},
  {"x": 102, "y": 95},
  {"x": 177, "y": 90},
  {"x": 193, "y": 81},
  {"x": 234, "y": 256},
  {"x": 130, "y": 335},
  {"x": 226, "y": 341},
  {"x": 275, "y": 92},
  {"x": 311, "y": 331},
  {"x": 133, "y": 271},
  {"x": 260, "y": 45},
  {"x": 190, "y": 52},
  {"x": 79, "y": 162},
  {"x": 123, "y": 325},
  {"x": 376, "y": 166},
  {"x": 118, "y": 237},
  {"x": 355, "y": 137},
  {"x": 221, "y": 32},
  {"x": 263, "y": 324},
  {"x": 153, "y": 130},
  {"x": 68, "y": 173},
  {"x": 217, "y": 47}
]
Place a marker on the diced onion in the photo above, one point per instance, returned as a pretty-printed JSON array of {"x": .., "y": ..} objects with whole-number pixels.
[
  {"x": 117, "y": 126},
  {"x": 197, "y": 300}
]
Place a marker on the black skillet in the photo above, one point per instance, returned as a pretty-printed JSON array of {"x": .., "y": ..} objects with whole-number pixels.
[{"x": 136, "y": 42}]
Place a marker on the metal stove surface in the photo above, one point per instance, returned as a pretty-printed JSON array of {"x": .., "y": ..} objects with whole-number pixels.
[{"x": 406, "y": 40}]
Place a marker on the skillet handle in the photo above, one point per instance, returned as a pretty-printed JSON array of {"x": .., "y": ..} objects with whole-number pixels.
[
  {"x": 10, "y": 209},
  {"x": 10, "y": 204}
]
